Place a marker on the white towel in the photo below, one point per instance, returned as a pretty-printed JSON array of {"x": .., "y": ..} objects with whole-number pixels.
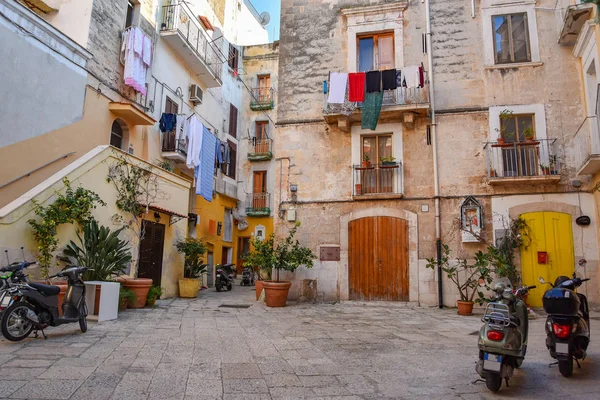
[
  {"x": 338, "y": 82},
  {"x": 194, "y": 134},
  {"x": 147, "y": 51},
  {"x": 411, "y": 75}
]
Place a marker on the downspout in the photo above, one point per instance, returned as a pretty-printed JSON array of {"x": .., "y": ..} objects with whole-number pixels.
[{"x": 436, "y": 179}]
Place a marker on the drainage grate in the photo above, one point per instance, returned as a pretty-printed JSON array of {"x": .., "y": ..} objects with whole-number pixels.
[{"x": 234, "y": 306}]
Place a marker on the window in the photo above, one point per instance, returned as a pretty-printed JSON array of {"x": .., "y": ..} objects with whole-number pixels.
[
  {"x": 511, "y": 38},
  {"x": 233, "y": 117},
  {"x": 170, "y": 106},
  {"x": 514, "y": 128},
  {"x": 376, "y": 180},
  {"x": 259, "y": 189},
  {"x": 132, "y": 13},
  {"x": 261, "y": 130},
  {"x": 520, "y": 158},
  {"x": 376, "y": 147},
  {"x": 116, "y": 135},
  {"x": 228, "y": 234},
  {"x": 233, "y": 57},
  {"x": 376, "y": 52},
  {"x": 229, "y": 168},
  {"x": 264, "y": 88}
]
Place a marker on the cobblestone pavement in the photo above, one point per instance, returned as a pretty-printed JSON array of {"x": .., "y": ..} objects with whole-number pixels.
[{"x": 197, "y": 349}]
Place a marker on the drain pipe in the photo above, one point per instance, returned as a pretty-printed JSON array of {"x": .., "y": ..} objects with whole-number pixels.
[{"x": 436, "y": 179}]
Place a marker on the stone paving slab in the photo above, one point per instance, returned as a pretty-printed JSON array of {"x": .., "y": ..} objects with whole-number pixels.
[{"x": 193, "y": 349}]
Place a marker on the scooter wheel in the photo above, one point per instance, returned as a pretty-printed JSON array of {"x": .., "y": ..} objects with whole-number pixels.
[
  {"x": 242, "y": 283},
  {"x": 218, "y": 287},
  {"x": 566, "y": 368},
  {"x": 493, "y": 381},
  {"x": 82, "y": 318},
  {"x": 14, "y": 326},
  {"x": 229, "y": 287}
]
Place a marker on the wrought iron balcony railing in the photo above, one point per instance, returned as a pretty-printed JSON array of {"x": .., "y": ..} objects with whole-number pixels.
[
  {"x": 258, "y": 205},
  {"x": 529, "y": 160},
  {"x": 262, "y": 99},
  {"x": 260, "y": 150},
  {"x": 382, "y": 179}
]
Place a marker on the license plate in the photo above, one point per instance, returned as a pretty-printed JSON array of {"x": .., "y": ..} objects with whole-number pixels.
[
  {"x": 492, "y": 362},
  {"x": 562, "y": 348},
  {"x": 5, "y": 301}
]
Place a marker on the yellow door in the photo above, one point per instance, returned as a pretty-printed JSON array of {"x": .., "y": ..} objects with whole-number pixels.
[{"x": 550, "y": 232}]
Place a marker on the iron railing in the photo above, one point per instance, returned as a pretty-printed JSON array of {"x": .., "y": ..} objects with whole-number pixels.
[
  {"x": 260, "y": 146},
  {"x": 522, "y": 159},
  {"x": 370, "y": 179},
  {"x": 179, "y": 17},
  {"x": 586, "y": 141},
  {"x": 170, "y": 142},
  {"x": 261, "y": 96},
  {"x": 258, "y": 204}
]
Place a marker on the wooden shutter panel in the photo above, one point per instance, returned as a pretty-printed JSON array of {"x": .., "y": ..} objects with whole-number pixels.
[
  {"x": 233, "y": 115},
  {"x": 232, "y": 159}
]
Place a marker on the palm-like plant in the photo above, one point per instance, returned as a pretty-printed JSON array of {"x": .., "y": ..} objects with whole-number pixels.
[{"x": 101, "y": 250}]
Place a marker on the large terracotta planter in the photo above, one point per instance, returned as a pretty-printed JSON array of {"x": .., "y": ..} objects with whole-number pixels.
[
  {"x": 465, "y": 307},
  {"x": 189, "y": 287},
  {"x": 140, "y": 287},
  {"x": 276, "y": 292},
  {"x": 259, "y": 288}
]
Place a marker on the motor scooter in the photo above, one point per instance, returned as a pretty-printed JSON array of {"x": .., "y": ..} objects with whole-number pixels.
[
  {"x": 247, "y": 277},
  {"x": 568, "y": 322},
  {"x": 10, "y": 275},
  {"x": 224, "y": 277},
  {"x": 503, "y": 336},
  {"x": 35, "y": 306}
]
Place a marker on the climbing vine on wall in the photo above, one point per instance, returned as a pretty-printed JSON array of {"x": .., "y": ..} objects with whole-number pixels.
[{"x": 74, "y": 205}]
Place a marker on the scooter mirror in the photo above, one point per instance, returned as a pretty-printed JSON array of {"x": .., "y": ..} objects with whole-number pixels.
[{"x": 541, "y": 280}]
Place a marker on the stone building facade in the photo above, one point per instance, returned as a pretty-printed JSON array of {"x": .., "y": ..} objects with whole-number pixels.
[{"x": 485, "y": 82}]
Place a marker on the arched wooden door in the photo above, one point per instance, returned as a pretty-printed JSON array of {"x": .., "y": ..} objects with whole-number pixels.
[{"x": 378, "y": 259}]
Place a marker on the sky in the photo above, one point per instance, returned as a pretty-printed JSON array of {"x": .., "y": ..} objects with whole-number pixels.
[{"x": 273, "y": 7}]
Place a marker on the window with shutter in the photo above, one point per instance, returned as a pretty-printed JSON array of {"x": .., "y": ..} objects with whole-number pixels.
[
  {"x": 233, "y": 57},
  {"x": 233, "y": 116}
]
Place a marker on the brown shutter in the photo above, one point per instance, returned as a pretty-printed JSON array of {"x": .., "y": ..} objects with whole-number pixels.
[
  {"x": 233, "y": 115},
  {"x": 232, "y": 158}
]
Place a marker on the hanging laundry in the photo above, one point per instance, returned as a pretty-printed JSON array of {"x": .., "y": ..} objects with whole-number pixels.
[
  {"x": 411, "y": 76},
  {"x": 421, "y": 76},
  {"x": 388, "y": 79},
  {"x": 338, "y": 82},
  {"x": 138, "y": 41},
  {"x": 204, "y": 183},
  {"x": 399, "y": 79},
  {"x": 167, "y": 122},
  {"x": 147, "y": 51},
  {"x": 371, "y": 109},
  {"x": 180, "y": 128},
  {"x": 357, "y": 86},
  {"x": 194, "y": 134},
  {"x": 219, "y": 154},
  {"x": 135, "y": 69},
  {"x": 226, "y": 154},
  {"x": 373, "y": 81}
]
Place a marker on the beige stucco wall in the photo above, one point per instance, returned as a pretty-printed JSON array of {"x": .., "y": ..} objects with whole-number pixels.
[
  {"x": 90, "y": 171},
  {"x": 72, "y": 19}
]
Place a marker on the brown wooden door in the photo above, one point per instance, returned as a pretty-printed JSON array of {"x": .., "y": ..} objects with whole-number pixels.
[
  {"x": 378, "y": 259},
  {"x": 151, "y": 252},
  {"x": 264, "y": 88},
  {"x": 259, "y": 189},
  {"x": 261, "y": 145}
]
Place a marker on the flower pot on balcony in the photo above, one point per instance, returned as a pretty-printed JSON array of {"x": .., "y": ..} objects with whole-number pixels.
[
  {"x": 358, "y": 189},
  {"x": 389, "y": 163},
  {"x": 493, "y": 173},
  {"x": 545, "y": 170},
  {"x": 366, "y": 164},
  {"x": 501, "y": 140}
]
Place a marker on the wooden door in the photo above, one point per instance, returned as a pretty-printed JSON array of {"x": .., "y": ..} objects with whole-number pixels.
[
  {"x": 550, "y": 232},
  {"x": 378, "y": 259},
  {"x": 225, "y": 255},
  {"x": 264, "y": 88},
  {"x": 260, "y": 142},
  {"x": 259, "y": 189},
  {"x": 151, "y": 252}
]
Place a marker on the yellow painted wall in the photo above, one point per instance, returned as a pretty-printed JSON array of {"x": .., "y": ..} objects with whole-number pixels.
[{"x": 90, "y": 172}]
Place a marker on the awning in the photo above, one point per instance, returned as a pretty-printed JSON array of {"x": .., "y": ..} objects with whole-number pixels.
[
  {"x": 130, "y": 113},
  {"x": 175, "y": 216}
]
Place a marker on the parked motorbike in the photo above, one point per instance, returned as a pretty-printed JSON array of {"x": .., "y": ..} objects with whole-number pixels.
[
  {"x": 10, "y": 275},
  {"x": 35, "y": 306},
  {"x": 247, "y": 277},
  {"x": 224, "y": 277},
  {"x": 568, "y": 321},
  {"x": 503, "y": 336}
]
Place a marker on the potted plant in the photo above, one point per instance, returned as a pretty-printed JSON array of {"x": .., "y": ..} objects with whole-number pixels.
[
  {"x": 193, "y": 249},
  {"x": 358, "y": 189},
  {"x": 366, "y": 163},
  {"x": 529, "y": 134},
  {"x": 493, "y": 173},
  {"x": 500, "y": 137},
  {"x": 388, "y": 161},
  {"x": 126, "y": 297},
  {"x": 154, "y": 293},
  {"x": 260, "y": 260},
  {"x": 465, "y": 276},
  {"x": 285, "y": 254},
  {"x": 101, "y": 250},
  {"x": 554, "y": 165},
  {"x": 545, "y": 169}
]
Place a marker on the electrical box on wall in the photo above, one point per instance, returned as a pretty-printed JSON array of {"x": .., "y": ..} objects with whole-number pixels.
[
  {"x": 291, "y": 215},
  {"x": 542, "y": 257}
]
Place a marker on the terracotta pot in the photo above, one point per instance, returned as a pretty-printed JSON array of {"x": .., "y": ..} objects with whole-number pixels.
[
  {"x": 276, "y": 292},
  {"x": 61, "y": 296},
  {"x": 259, "y": 288},
  {"x": 500, "y": 140},
  {"x": 358, "y": 189},
  {"x": 189, "y": 288},
  {"x": 140, "y": 287},
  {"x": 465, "y": 307},
  {"x": 366, "y": 164}
]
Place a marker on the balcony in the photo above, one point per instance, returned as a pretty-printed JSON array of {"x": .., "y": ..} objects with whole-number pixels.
[
  {"x": 191, "y": 42},
  {"x": 531, "y": 162},
  {"x": 401, "y": 104},
  {"x": 174, "y": 148},
  {"x": 226, "y": 188},
  {"x": 258, "y": 205},
  {"x": 587, "y": 147},
  {"x": 384, "y": 181},
  {"x": 572, "y": 15},
  {"x": 260, "y": 150},
  {"x": 262, "y": 99}
]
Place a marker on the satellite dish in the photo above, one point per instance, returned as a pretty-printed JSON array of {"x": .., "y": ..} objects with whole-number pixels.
[{"x": 264, "y": 18}]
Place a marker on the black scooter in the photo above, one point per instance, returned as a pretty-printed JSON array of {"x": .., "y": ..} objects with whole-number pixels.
[
  {"x": 10, "y": 275},
  {"x": 247, "y": 277},
  {"x": 568, "y": 322},
  {"x": 35, "y": 306},
  {"x": 224, "y": 277}
]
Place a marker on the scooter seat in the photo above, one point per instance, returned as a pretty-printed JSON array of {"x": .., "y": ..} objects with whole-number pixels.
[{"x": 49, "y": 290}]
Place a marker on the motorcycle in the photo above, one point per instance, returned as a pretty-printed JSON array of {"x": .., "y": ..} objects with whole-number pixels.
[
  {"x": 10, "y": 275},
  {"x": 503, "y": 337},
  {"x": 224, "y": 277},
  {"x": 568, "y": 321},
  {"x": 35, "y": 306},
  {"x": 247, "y": 277}
]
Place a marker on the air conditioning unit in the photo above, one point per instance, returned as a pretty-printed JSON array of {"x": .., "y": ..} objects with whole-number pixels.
[{"x": 196, "y": 94}]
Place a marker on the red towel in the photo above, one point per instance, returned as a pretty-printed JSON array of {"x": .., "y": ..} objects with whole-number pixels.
[{"x": 357, "y": 86}]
